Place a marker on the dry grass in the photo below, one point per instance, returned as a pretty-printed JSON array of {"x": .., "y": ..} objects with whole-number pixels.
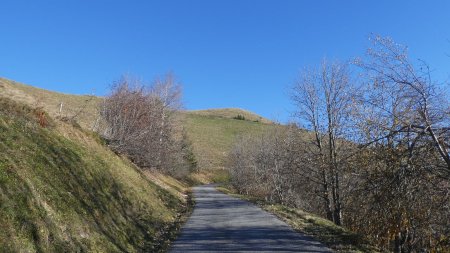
[
  {"x": 213, "y": 137},
  {"x": 175, "y": 187},
  {"x": 62, "y": 190},
  {"x": 231, "y": 113},
  {"x": 83, "y": 109},
  {"x": 212, "y": 132},
  {"x": 336, "y": 237}
]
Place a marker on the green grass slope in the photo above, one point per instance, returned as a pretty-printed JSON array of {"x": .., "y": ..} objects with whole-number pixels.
[
  {"x": 61, "y": 190},
  {"x": 213, "y": 136}
]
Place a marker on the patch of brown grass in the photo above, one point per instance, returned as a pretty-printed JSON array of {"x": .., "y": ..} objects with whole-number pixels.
[
  {"x": 81, "y": 108},
  {"x": 231, "y": 113}
]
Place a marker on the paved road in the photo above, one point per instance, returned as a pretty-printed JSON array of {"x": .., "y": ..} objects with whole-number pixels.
[{"x": 221, "y": 223}]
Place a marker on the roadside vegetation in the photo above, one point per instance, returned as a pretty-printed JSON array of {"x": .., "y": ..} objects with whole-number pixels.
[
  {"x": 375, "y": 156},
  {"x": 325, "y": 231},
  {"x": 209, "y": 133},
  {"x": 78, "y": 174},
  {"x": 63, "y": 190},
  {"x": 140, "y": 121},
  {"x": 369, "y": 154}
]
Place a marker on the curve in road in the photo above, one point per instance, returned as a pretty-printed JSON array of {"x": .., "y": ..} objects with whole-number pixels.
[{"x": 221, "y": 223}]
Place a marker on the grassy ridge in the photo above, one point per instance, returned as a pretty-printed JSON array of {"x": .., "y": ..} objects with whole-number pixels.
[
  {"x": 61, "y": 190},
  {"x": 84, "y": 107},
  {"x": 213, "y": 137},
  {"x": 231, "y": 113}
]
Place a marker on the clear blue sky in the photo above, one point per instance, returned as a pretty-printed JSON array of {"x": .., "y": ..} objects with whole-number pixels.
[{"x": 227, "y": 53}]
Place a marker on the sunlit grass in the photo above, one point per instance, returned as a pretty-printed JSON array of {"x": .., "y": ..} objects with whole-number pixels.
[
  {"x": 213, "y": 137},
  {"x": 212, "y": 132},
  {"x": 62, "y": 190}
]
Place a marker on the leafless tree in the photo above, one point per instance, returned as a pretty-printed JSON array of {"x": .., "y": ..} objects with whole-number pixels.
[
  {"x": 140, "y": 121},
  {"x": 423, "y": 112},
  {"x": 324, "y": 98},
  {"x": 168, "y": 93},
  {"x": 264, "y": 165},
  {"x": 375, "y": 154},
  {"x": 402, "y": 169}
]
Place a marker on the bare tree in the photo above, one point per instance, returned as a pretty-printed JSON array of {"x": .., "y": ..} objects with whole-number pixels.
[
  {"x": 402, "y": 125},
  {"x": 425, "y": 111},
  {"x": 264, "y": 165},
  {"x": 141, "y": 122},
  {"x": 324, "y": 98},
  {"x": 374, "y": 156},
  {"x": 168, "y": 94}
]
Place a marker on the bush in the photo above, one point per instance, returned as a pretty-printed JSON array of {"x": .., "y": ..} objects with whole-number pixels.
[
  {"x": 140, "y": 122},
  {"x": 239, "y": 117}
]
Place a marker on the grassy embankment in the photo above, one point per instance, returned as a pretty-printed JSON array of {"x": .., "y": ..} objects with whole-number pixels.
[
  {"x": 62, "y": 190},
  {"x": 212, "y": 132}
]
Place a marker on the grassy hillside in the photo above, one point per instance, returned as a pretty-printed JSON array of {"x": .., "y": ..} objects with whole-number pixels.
[
  {"x": 213, "y": 136},
  {"x": 232, "y": 113},
  {"x": 83, "y": 108},
  {"x": 61, "y": 190},
  {"x": 212, "y": 132}
]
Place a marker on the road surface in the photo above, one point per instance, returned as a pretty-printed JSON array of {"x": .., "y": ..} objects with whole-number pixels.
[{"x": 221, "y": 223}]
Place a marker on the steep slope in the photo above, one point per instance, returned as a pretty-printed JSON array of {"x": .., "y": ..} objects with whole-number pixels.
[
  {"x": 83, "y": 108},
  {"x": 61, "y": 190},
  {"x": 211, "y": 132}
]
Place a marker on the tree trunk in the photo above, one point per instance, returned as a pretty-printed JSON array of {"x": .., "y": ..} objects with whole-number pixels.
[
  {"x": 326, "y": 196},
  {"x": 337, "y": 212}
]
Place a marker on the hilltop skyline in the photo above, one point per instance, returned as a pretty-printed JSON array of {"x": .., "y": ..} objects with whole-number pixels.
[{"x": 227, "y": 54}]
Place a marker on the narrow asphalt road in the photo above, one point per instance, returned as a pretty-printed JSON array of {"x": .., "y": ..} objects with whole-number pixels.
[{"x": 221, "y": 223}]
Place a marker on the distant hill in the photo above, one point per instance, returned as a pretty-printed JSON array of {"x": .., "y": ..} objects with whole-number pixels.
[
  {"x": 212, "y": 131},
  {"x": 232, "y": 113}
]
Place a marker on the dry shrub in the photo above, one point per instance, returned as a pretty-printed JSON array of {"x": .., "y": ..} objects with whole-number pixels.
[{"x": 140, "y": 121}]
